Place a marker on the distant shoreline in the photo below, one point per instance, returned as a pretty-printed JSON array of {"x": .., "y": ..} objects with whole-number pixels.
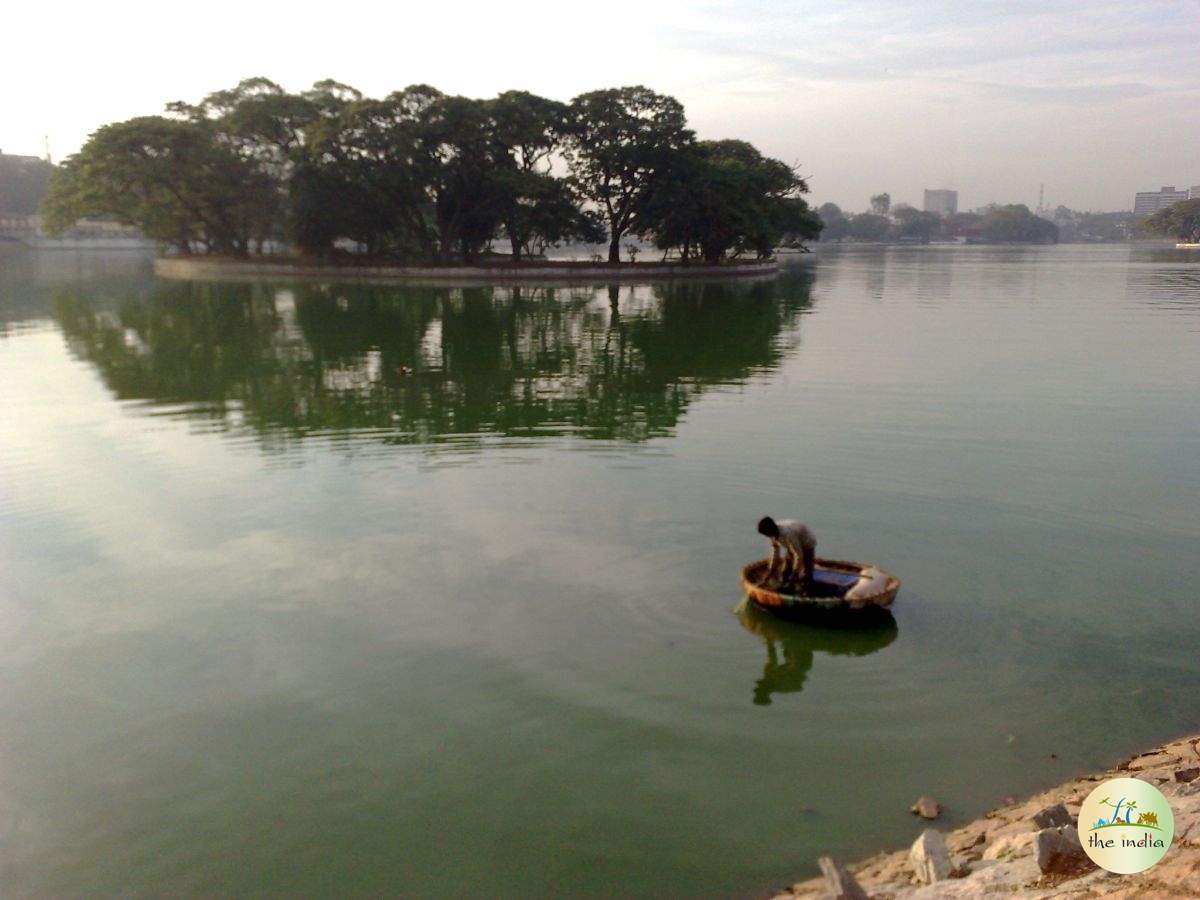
[{"x": 221, "y": 269}]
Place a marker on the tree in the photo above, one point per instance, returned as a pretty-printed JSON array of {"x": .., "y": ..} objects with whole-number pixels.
[
  {"x": 1182, "y": 220},
  {"x": 426, "y": 175},
  {"x": 619, "y": 141},
  {"x": 541, "y": 211},
  {"x": 1015, "y": 224},
  {"x": 319, "y": 212},
  {"x": 774, "y": 204},
  {"x": 537, "y": 209},
  {"x": 836, "y": 225},
  {"x": 329, "y": 97},
  {"x": 265, "y": 126},
  {"x": 365, "y": 175},
  {"x": 961, "y": 225},
  {"x": 259, "y": 120},
  {"x": 421, "y": 175},
  {"x": 796, "y": 221},
  {"x": 718, "y": 196},
  {"x": 869, "y": 227},
  {"x": 459, "y": 170},
  {"x": 526, "y": 131},
  {"x": 1114, "y": 226},
  {"x": 172, "y": 180},
  {"x": 915, "y": 225},
  {"x": 881, "y": 204}
]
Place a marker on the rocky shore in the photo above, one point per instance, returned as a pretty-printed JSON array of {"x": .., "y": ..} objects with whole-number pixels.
[{"x": 1031, "y": 850}]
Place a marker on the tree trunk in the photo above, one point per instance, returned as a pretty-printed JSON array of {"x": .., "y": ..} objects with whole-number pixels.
[{"x": 614, "y": 248}]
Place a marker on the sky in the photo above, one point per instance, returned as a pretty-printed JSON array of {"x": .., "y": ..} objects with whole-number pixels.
[{"x": 1080, "y": 103}]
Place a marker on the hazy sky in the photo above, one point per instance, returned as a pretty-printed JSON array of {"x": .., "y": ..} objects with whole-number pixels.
[{"x": 1093, "y": 100}]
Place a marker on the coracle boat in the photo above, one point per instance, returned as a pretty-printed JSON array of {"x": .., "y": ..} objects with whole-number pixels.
[{"x": 843, "y": 592}]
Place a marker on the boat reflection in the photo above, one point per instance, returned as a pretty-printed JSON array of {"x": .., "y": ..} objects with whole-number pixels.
[{"x": 792, "y": 646}]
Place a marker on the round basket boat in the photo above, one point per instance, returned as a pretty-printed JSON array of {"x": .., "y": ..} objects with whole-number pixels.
[{"x": 843, "y": 592}]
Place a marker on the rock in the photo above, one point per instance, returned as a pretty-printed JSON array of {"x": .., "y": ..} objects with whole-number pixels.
[
  {"x": 1184, "y": 776},
  {"x": 1011, "y": 846},
  {"x": 929, "y": 857},
  {"x": 1151, "y": 760},
  {"x": 926, "y": 807},
  {"x": 1059, "y": 852},
  {"x": 841, "y": 883},
  {"x": 1053, "y": 817}
]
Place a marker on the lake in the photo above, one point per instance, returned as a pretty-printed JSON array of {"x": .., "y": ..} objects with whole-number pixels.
[{"x": 377, "y": 590}]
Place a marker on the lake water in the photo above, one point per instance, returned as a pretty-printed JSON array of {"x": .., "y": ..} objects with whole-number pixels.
[{"x": 316, "y": 590}]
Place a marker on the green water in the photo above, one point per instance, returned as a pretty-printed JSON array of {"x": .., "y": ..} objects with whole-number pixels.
[{"x": 333, "y": 590}]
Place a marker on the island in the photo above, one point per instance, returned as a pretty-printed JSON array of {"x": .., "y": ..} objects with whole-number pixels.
[{"x": 421, "y": 178}]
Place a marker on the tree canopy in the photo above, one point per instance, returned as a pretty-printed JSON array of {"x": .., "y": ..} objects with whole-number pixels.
[
  {"x": 720, "y": 195},
  {"x": 172, "y": 180},
  {"x": 424, "y": 176},
  {"x": 997, "y": 224},
  {"x": 620, "y": 142},
  {"x": 1016, "y": 224},
  {"x": 1180, "y": 220}
]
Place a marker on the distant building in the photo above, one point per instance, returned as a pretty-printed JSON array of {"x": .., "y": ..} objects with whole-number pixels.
[
  {"x": 1147, "y": 202},
  {"x": 21, "y": 160},
  {"x": 24, "y": 181},
  {"x": 944, "y": 203}
]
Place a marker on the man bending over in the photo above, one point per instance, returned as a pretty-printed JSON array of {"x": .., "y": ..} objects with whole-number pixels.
[{"x": 792, "y": 543}]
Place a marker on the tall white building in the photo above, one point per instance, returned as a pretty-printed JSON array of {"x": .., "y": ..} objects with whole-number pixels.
[
  {"x": 1147, "y": 202},
  {"x": 942, "y": 202}
]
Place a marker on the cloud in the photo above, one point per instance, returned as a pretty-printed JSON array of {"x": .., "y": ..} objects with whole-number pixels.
[
  {"x": 1059, "y": 46},
  {"x": 915, "y": 75}
]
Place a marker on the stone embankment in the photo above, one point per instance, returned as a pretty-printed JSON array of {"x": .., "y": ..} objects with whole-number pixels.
[
  {"x": 1031, "y": 850},
  {"x": 210, "y": 269}
]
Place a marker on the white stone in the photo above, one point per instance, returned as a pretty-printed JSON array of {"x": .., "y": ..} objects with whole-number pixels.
[
  {"x": 1011, "y": 846},
  {"x": 929, "y": 857},
  {"x": 840, "y": 882}
]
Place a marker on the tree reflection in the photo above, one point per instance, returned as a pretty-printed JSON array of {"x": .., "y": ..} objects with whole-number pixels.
[
  {"x": 417, "y": 365},
  {"x": 29, "y": 279},
  {"x": 791, "y": 646}
]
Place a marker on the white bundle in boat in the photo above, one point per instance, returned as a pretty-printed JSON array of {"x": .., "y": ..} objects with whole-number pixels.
[{"x": 871, "y": 581}]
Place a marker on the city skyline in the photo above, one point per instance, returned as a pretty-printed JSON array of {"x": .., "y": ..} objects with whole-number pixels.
[{"x": 1083, "y": 104}]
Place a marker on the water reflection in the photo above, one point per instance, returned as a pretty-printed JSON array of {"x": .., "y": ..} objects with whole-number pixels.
[
  {"x": 29, "y": 279},
  {"x": 1172, "y": 287},
  {"x": 791, "y": 647},
  {"x": 422, "y": 365}
]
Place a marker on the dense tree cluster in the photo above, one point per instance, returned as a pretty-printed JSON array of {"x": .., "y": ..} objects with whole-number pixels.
[
  {"x": 904, "y": 224},
  {"x": 1181, "y": 220},
  {"x": 422, "y": 175},
  {"x": 1016, "y": 224},
  {"x": 1094, "y": 227},
  {"x": 719, "y": 195}
]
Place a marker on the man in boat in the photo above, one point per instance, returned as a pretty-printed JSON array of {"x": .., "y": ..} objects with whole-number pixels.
[{"x": 792, "y": 543}]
